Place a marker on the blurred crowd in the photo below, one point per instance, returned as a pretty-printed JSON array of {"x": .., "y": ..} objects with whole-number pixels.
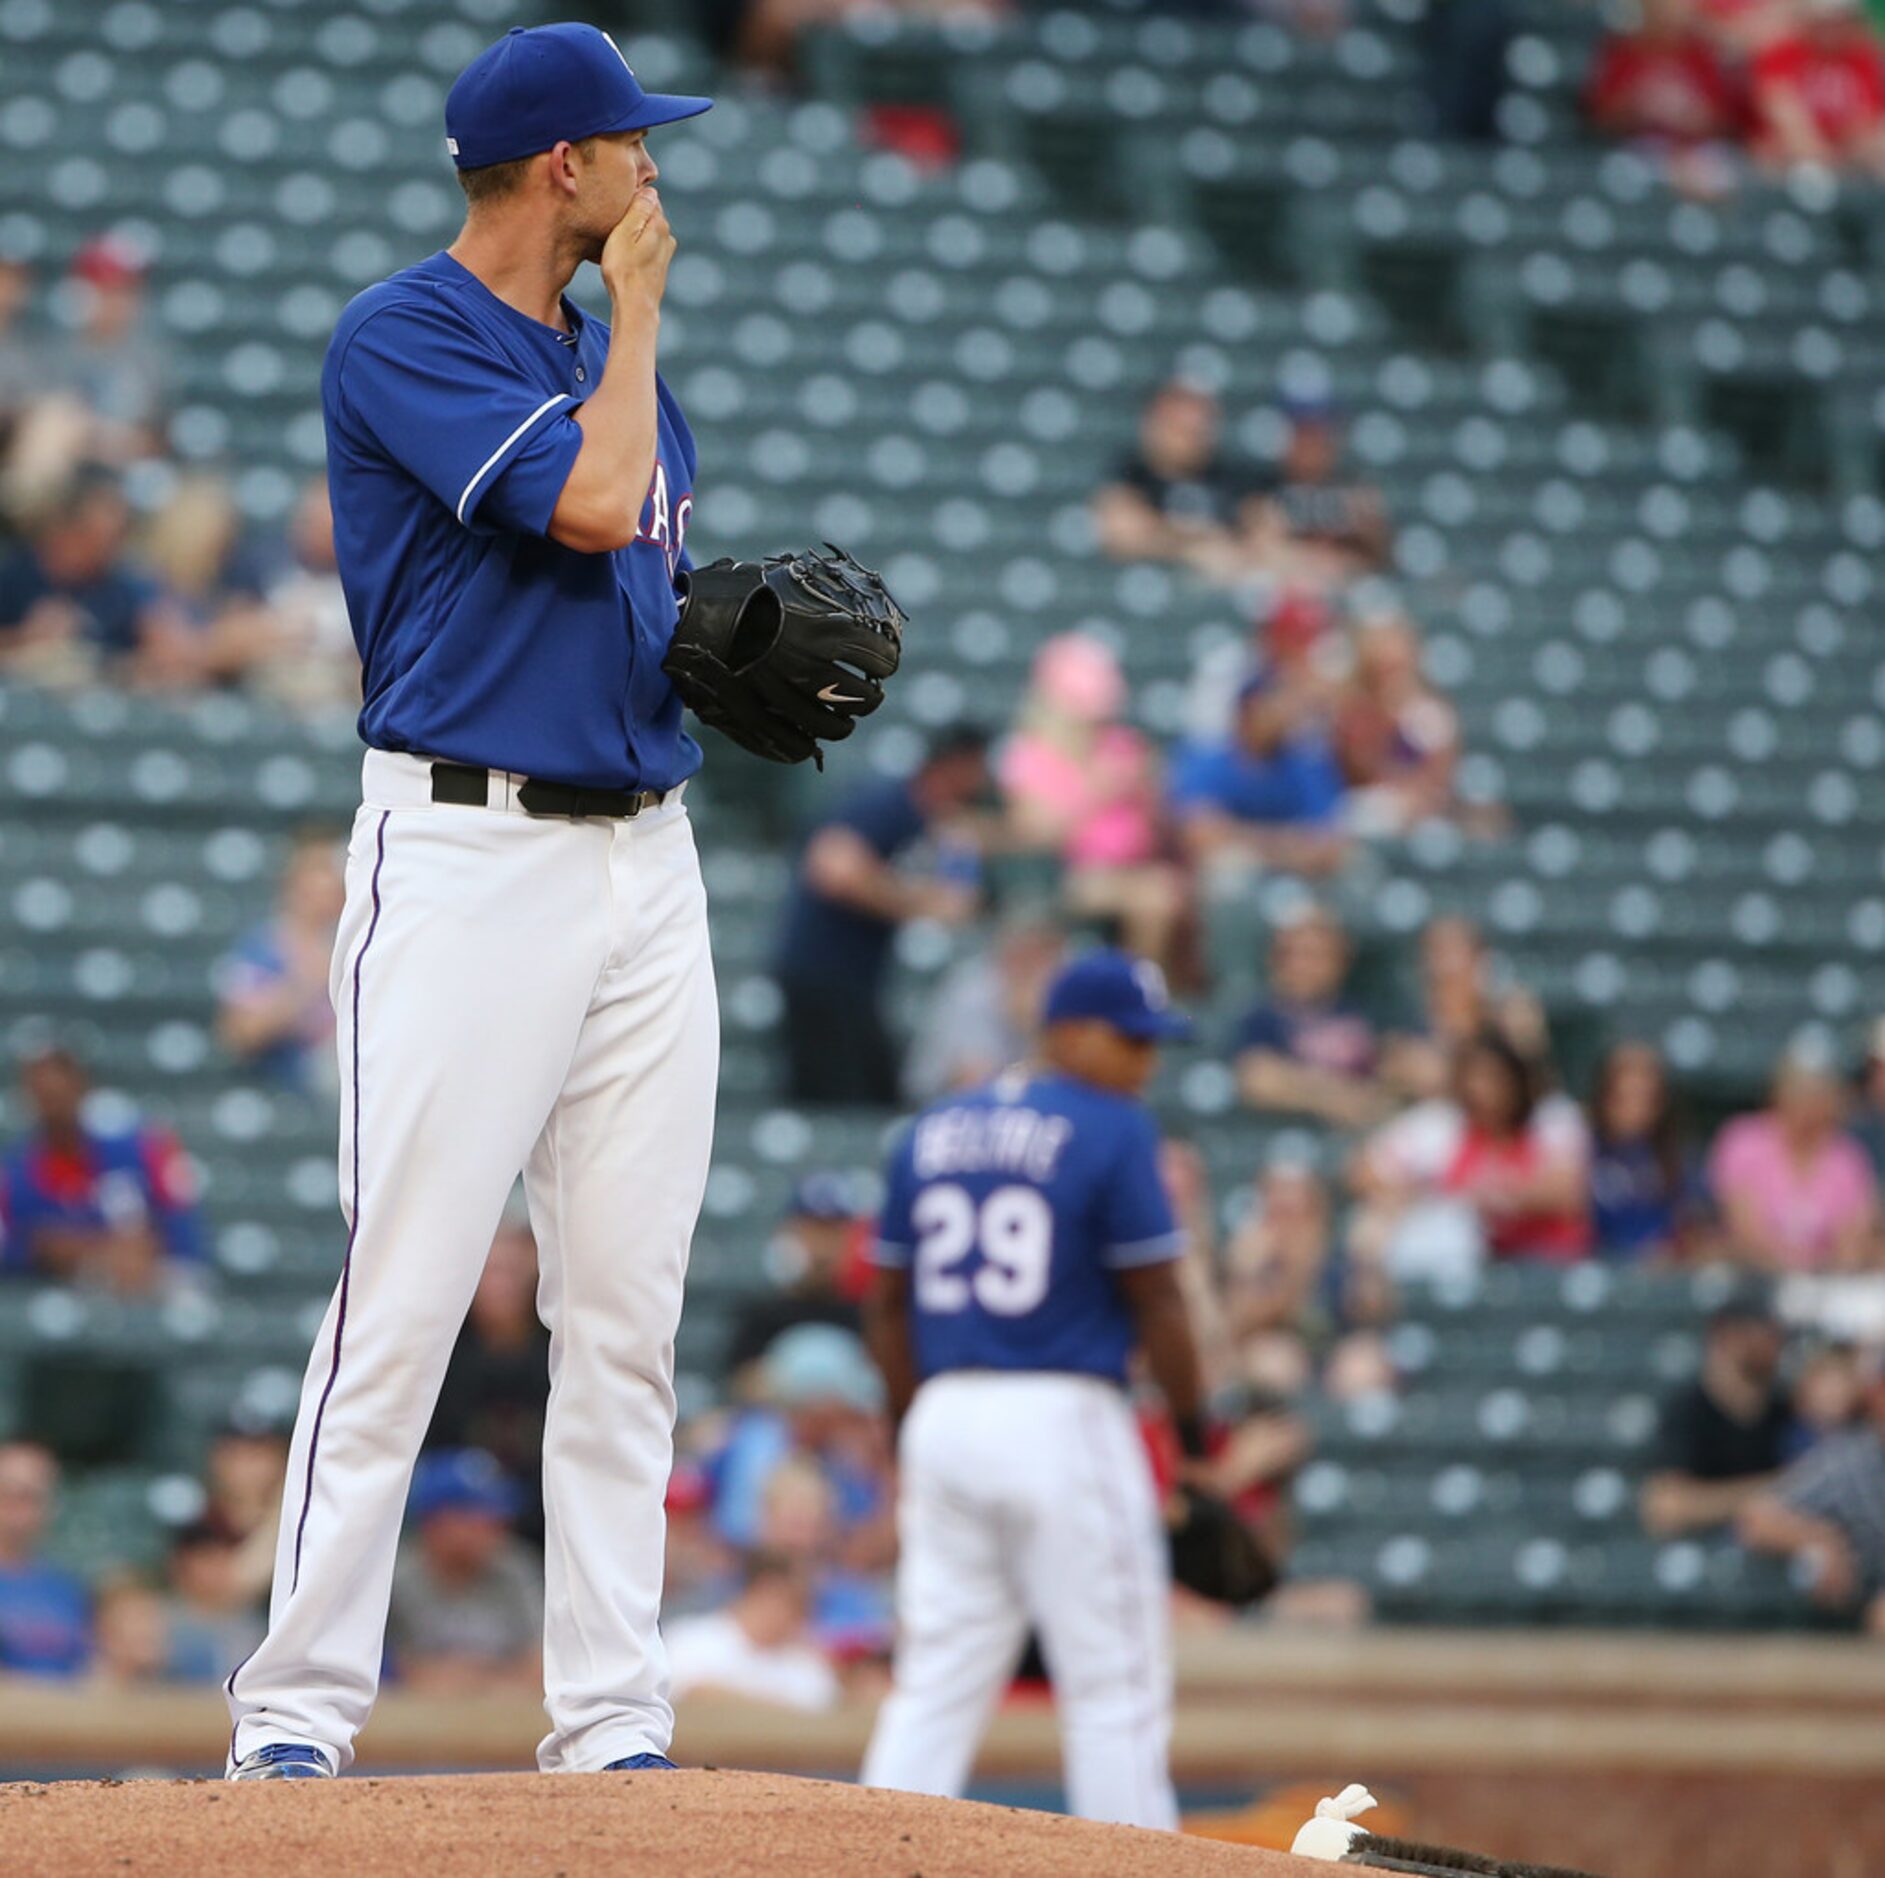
[
  {"x": 118, "y": 562},
  {"x": 1464, "y": 45},
  {"x": 1786, "y": 1447},
  {"x": 1409, "y": 1119},
  {"x": 1708, "y": 88},
  {"x": 780, "y": 1534}
]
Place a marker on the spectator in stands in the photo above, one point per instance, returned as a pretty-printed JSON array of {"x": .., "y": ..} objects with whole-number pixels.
[
  {"x": 1336, "y": 526},
  {"x": 496, "y": 1391},
  {"x": 1179, "y": 497},
  {"x": 811, "y": 1259},
  {"x": 1828, "y": 1396},
  {"x": 1501, "y": 1160},
  {"x": 1644, "y": 1202},
  {"x": 1724, "y": 1436},
  {"x": 821, "y": 1401},
  {"x": 846, "y": 906},
  {"x": 1827, "y": 1514},
  {"x": 1083, "y": 785},
  {"x": 1396, "y": 738},
  {"x": 274, "y": 1014},
  {"x": 1305, "y": 1049},
  {"x": 242, "y": 1483},
  {"x": 1665, "y": 87},
  {"x": 71, "y": 607},
  {"x": 1819, "y": 92},
  {"x": 1186, "y": 1178},
  {"x": 113, "y": 1211},
  {"x": 1271, "y": 795},
  {"x": 1295, "y": 1304},
  {"x": 45, "y": 1615},
  {"x": 1742, "y": 28},
  {"x": 1794, "y": 1191},
  {"x": 130, "y": 1633},
  {"x": 760, "y": 1646},
  {"x": 1295, "y": 630},
  {"x": 1460, "y": 997},
  {"x": 1466, "y": 42},
  {"x": 1868, "y": 1116},
  {"x": 1275, "y": 1272},
  {"x": 801, "y": 1516},
  {"x": 22, "y": 367},
  {"x": 467, "y": 1605},
  {"x": 211, "y": 1620},
  {"x": 699, "y": 1561},
  {"x": 762, "y": 36},
  {"x": 309, "y": 662},
  {"x": 215, "y": 625},
  {"x": 982, "y": 1015},
  {"x": 109, "y": 360}
]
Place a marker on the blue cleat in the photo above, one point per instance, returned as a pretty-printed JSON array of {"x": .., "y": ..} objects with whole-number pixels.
[
  {"x": 283, "y": 1760},
  {"x": 640, "y": 1763}
]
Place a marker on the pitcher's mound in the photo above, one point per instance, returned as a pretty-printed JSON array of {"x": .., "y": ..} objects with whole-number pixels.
[{"x": 517, "y": 1824}]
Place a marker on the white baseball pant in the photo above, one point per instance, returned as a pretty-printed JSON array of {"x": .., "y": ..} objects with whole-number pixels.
[
  {"x": 1028, "y": 1499},
  {"x": 513, "y": 993}
]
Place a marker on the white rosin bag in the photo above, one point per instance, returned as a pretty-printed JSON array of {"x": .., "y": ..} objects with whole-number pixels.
[{"x": 1330, "y": 1833}]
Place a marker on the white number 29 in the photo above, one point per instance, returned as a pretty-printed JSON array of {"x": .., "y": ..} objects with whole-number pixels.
[{"x": 1014, "y": 1228}]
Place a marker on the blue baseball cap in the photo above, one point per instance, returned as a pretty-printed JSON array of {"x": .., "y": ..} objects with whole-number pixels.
[
  {"x": 463, "y": 1480},
  {"x": 820, "y": 1363},
  {"x": 825, "y": 1195},
  {"x": 1119, "y": 990},
  {"x": 542, "y": 85}
]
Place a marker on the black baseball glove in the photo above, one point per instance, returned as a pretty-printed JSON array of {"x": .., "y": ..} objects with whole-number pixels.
[
  {"x": 1214, "y": 1553},
  {"x": 785, "y": 653}
]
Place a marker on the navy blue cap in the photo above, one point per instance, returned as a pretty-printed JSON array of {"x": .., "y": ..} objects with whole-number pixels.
[
  {"x": 463, "y": 1480},
  {"x": 825, "y": 1195},
  {"x": 543, "y": 85},
  {"x": 1310, "y": 407},
  {"x": 1118, "y": 989},
  {"x": 1256, "y": 681}
]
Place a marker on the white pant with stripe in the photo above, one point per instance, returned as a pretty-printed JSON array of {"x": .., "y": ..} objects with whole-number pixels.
[
  {"x": 513, "y": 993},
  {"x": 1028, "y": 1499}
]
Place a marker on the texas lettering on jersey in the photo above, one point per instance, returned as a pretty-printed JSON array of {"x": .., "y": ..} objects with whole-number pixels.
[{"x": 663, "y": 522}]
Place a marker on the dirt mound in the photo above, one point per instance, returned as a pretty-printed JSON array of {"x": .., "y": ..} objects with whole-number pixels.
[{"x": 518, "y": 1824}]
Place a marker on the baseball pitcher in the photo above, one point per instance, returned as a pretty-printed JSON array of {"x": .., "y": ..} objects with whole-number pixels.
[
  {"x": 1026, "y": 1247},
  {"x": 521, "y": 978}
]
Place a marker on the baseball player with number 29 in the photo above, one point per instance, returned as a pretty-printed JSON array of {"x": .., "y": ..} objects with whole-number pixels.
[
  {"x": 522, "y": 978},
  {"x": 1026, "y": 1246}
]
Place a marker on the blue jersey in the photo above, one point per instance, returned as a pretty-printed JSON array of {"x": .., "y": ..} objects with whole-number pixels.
[
  {"x": 1013, "y": 1206},
  {"x": 451, "y": 430}
]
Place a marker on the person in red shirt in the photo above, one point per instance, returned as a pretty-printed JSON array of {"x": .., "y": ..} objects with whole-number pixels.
[
  {"x": 1664, "y": 82},
  {"x": 1819, "y": 92},
  {"x": 110, "y": 1210},
  {"x": 1499, "y": 1155}
]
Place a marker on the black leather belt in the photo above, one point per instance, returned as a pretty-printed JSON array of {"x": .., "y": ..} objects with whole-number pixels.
[{"x": 468, "y": 787}]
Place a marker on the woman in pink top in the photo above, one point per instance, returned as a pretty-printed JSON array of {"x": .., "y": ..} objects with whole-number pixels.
[
  {"x": 1081, "y": 784},
  {"x": 1795, "y": 1192}
]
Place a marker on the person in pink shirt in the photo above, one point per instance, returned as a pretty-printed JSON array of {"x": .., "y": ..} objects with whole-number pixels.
[
  {"x": 1796, "y": 1193},
  {"x": 1084, "y": 785}
]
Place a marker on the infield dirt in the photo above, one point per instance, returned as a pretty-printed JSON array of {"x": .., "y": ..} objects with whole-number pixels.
[{"x": 495, "y": 1825}]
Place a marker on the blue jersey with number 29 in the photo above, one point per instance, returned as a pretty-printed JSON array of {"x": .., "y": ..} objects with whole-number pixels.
[{"x": 1012, "y": 1207}]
